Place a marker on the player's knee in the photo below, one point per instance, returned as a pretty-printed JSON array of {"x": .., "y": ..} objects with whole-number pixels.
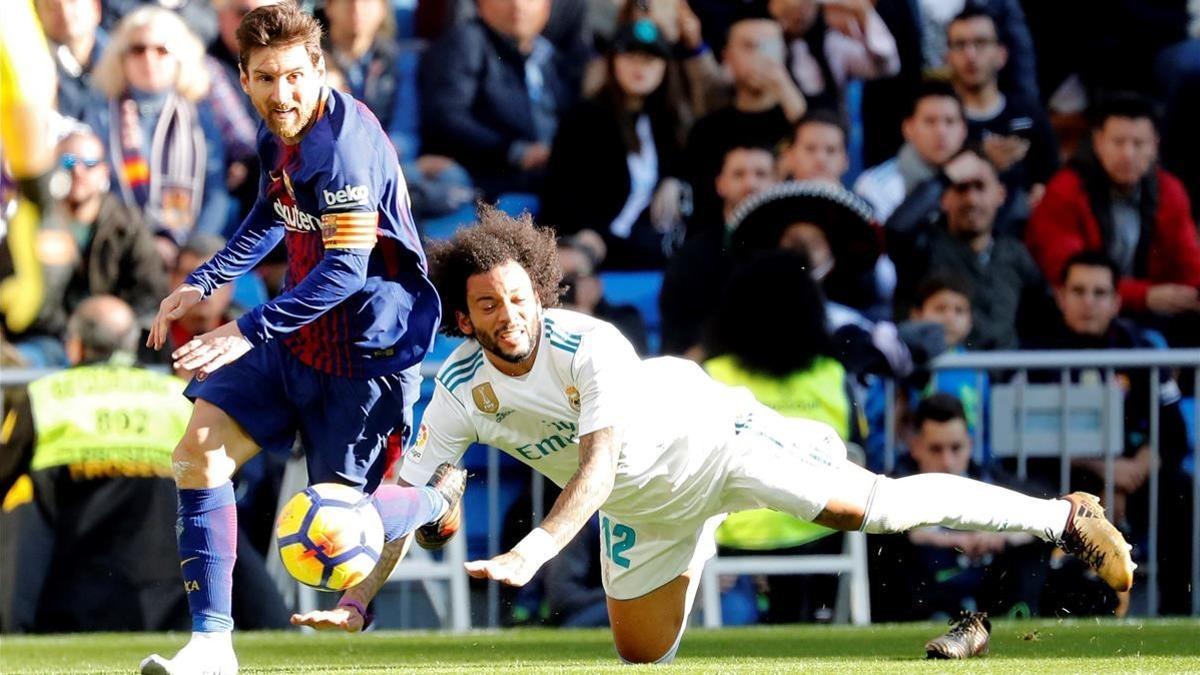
[
  {"x": 889, "y": 510},
  {"x": 644, "y": 648},
  {"x": 634, "y": 654},
  {"x": 196, "y": 466}
]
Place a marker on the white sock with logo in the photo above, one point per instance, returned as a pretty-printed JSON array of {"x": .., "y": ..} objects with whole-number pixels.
[{"x": 902, "y": 504}]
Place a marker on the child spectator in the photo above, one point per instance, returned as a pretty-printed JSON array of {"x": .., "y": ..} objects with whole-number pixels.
[{"x": 946, "y": 300}]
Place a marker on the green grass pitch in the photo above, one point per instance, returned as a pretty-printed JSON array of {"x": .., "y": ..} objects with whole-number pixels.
[{"x": 1041, "y": 646}]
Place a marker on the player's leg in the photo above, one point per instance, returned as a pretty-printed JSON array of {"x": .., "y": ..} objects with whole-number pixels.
[
  {"x": 649, "y": 599},
  {"x": 799, "y": 466},
  {"x": 238, "y": 409},
  {"x": 346, "y": 432},
  {"x": 648, "y": 629},
  {"x": 211, "y": 450}
]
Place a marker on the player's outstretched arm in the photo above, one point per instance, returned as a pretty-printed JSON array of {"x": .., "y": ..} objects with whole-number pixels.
[
  {"x": 339, "y": 275},
  {"x": 350, "y": 614},
  {"x": 581, "y": 497},
  {"x": 254, "y": 239}
]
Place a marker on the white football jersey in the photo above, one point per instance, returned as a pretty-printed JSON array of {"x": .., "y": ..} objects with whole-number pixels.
[{"x": 586, "y": 376}]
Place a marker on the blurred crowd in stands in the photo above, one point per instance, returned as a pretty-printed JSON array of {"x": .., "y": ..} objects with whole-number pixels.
[{"x": 827, "y": 192}]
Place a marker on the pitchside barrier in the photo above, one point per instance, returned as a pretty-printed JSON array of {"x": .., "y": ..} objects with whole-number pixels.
[
  {"x": 1073, "y": 418},
  {"x": 1078, "y": 414}
]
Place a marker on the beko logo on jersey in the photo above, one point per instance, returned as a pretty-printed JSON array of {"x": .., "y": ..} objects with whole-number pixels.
[
  {"x": 351, "y": 194},
  {"x": 295, "y": 219}
]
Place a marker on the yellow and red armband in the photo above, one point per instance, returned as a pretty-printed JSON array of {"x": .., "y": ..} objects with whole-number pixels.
[{"x": 350, "y": 230}]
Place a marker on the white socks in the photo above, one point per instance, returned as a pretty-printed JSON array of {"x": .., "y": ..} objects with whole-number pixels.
[
  {"x": 901, "y": 504},
  {"x": 215, "y": 640}
]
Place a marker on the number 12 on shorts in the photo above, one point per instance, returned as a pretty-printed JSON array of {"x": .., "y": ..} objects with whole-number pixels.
[{"x": 618, "y": 539}]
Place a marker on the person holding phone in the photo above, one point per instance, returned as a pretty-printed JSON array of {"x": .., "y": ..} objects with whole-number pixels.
[
  {"x": 1013, "y": 130},
  {"x": 765, "y": 105}
]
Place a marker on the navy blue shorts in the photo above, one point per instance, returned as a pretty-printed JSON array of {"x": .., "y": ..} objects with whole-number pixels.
[{"x": 344, "y": 423}]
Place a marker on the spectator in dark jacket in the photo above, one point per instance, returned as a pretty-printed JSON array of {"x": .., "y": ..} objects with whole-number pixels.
[
  {"x": 1116, "y": 199},
  {"x": 611, "y": 167},
  {"x": 76, "y": 40},
  {"x": 167, "y": 156},
  {"x": 1012, "y": 128},
  {"x": 102, "y": 247},
  {"x": 940, "y": 571},
  {"x": 919, "y": 27},
  {"x": 765, "y": 105},
  {"x": 1089, "y": 302},
  {"x": 963, "y": 243},
  {"x": 700, "y": 270},
  {"x": 492, "y": 93}
]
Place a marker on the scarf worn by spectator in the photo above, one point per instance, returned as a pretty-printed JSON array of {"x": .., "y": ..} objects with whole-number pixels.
[
  {"x": 1099, "y": 189},
  {"x": 167, "y": 186}
]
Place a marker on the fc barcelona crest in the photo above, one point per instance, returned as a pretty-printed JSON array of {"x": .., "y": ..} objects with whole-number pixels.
[
  {"x": 573, "y": 398},
  {"x": 485, "y": 398}
]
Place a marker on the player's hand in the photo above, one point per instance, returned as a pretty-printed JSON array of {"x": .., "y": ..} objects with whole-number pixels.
[
  {"x": 173, "y": 307},
  {"x": 344, "y": 618},
  {"x": 212, "y": 350},
  {"x": 510, "y": 568}
]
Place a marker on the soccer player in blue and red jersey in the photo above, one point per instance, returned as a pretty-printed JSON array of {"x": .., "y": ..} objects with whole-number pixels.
[{"x": 335, "y": 357}]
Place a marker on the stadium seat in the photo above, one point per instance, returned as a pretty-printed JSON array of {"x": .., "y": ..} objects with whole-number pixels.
[{"x": 640, "y": 289}]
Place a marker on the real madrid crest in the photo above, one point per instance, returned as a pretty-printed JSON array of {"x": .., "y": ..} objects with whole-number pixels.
[
  {"x": 485, "y": 398},
  {"x": 573, "y": 397}
]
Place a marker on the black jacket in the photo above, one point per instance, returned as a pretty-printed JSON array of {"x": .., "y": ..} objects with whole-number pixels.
[
  {"x": 587, "y": 181},
  {"x": 119, "y": 260},
  {"x": 1008, "y": 292},
  {"x": 475, "y": 105}
]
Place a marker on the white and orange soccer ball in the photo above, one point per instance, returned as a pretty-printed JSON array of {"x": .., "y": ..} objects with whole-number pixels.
[{"x": 330, "y": 536}]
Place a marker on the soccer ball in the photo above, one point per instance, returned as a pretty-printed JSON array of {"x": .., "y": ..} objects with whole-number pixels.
[{"x": 330, "y": 536}]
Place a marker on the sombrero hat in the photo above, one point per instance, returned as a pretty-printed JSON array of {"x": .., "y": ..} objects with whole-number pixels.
[{"x": 760, "y": 220}]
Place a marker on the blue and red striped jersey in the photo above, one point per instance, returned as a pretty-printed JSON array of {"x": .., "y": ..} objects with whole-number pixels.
[{"x": 357, "y": 301}]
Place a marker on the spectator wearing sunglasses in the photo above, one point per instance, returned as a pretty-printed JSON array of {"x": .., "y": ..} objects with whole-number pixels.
[
  {"x": 92, "y": 244},
  {"x": 962, "y": 242},
  {"x": 166, "y": 152}
]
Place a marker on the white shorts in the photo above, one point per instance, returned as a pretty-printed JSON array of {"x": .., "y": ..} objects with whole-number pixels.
[{"x": 787, "y": 464}]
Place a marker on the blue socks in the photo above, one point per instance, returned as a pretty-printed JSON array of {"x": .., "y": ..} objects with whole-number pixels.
[
  {"x": 404, "y": 509},
  {"x": 207, "y": 549}
]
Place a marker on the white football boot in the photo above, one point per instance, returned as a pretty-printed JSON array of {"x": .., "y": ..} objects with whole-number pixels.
[{"x": 204, "y": 654}]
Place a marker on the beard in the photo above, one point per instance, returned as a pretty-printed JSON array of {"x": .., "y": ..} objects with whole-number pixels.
[
  {"x": 291, "y": 126},
  {"x": 489, "y": 342}
]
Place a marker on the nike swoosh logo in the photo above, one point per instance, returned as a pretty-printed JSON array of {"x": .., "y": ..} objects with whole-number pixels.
[{"x": 188, "y": 560}]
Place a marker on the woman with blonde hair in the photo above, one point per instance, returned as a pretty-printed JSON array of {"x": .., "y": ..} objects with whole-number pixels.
[{"x": 162, "y": 142}]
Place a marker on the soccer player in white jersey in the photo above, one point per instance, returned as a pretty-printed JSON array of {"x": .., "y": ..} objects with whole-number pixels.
[{"x": 662, "y": 451}]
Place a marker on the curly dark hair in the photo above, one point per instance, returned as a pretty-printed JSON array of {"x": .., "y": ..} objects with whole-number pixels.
[
  {"x": 496, "y": 239},
  {"x": 778, "y": 286}
]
